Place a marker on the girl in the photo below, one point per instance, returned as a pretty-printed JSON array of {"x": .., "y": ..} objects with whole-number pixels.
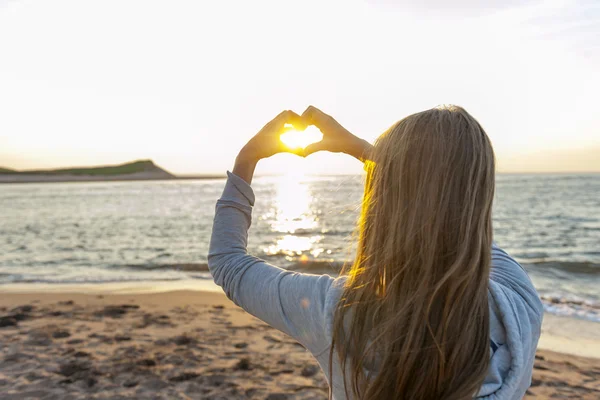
[{"x": 431, "y": 308}]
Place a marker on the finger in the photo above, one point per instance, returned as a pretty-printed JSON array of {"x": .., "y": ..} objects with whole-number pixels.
[
  {"x": 313, "y": 116},
  {"x": 288, "y": 117},
  {"x": 313, "y": 148},
  {"x": 297, "y": 151}
]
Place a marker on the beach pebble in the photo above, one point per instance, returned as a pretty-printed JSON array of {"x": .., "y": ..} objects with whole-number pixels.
[
  {"x": 38, "y": 338},
  {"x": 32, "y": 376},
  {"x": 153, "y": 384},
  {"x": 112, "y": 312},
  {"x": 90, "y": 381},
  {"x": 73, "y": 367},
  {"x": 172, "y": 359},
  {"x": 130, "y": 383},
  {"x": 183, "y": 340},
  {"x": 243, "y": 364},
  {"x": 216, "y": 380},
  {"x": 194, "y": 388},
  {"x": 30, "y": 394},
  {"x": 8, "y": 320},
  {"x": 61, "y": 334},
  {"x": 309, "y": 370},
  {"x": 150, "y": 319},
  {"x": 271, "y": 339},
  {"x": 23, "y": 309},
  {"x": 146, "y": 362},
  {"x": 19, "y": 316},
  {"x": 55, "y": 313},
  {"x": 277, "y": 396},
  {"x": 281, "y": 371},
  {"x": 186, "y": 376},
  {"x": 14, "y": 356}
]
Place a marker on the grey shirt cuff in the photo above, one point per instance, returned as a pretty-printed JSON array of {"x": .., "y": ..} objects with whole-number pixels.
[{"x": 237, "y": 190}]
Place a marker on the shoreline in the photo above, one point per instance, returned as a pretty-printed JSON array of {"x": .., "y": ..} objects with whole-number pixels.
[
  {"x": 562, "y": 334},
  {"x": 8, "y": 179},
  {"x": 181, "y": 344}
]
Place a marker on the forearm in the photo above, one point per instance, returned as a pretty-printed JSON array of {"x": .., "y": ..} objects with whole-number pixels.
[
  {"x": 227, "y": 252},
  {"x": 361, "y": 150},
  {"x": 245, "y": 165}
]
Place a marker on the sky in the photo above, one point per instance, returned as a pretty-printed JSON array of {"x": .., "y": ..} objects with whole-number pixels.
[{"x": 187, "y": 83}]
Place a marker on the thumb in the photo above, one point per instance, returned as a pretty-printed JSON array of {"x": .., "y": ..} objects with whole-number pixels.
[{"x": 314, "y": 147}]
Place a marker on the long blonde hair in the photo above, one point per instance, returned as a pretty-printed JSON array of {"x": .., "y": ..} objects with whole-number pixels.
[{"x": 413, "y": 320}]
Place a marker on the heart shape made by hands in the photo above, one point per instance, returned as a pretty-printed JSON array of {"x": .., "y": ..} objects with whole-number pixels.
[{"x": 300, "y": 139}]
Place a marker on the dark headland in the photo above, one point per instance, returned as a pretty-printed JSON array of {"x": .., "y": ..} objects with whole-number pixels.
[{"x": 133, "y": 171}]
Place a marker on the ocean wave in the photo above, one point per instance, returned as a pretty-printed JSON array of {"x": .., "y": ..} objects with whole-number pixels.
[
  {"x": 316, "y": 266},
  {"x": 181, "y": 267},
  {"x": 572, "y": 307},
  {"x": 577, "y": 267},
  {"x": 308, "y": 266},
  {"x": 82, "y": 280}
]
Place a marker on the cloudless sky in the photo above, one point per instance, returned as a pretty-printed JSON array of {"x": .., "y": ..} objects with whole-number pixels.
[{"x": 186, "y": 83}]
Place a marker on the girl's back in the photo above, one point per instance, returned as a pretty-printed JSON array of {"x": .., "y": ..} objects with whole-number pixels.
[{"x": 430, "y": 307}]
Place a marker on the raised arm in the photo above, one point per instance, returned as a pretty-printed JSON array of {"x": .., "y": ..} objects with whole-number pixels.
[{"x": 291, "y": 302}]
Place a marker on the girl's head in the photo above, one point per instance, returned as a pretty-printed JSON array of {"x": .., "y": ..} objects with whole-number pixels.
[{"x": 416, "y": 295}]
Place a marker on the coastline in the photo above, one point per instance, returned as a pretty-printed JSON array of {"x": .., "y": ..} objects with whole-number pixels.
[
  {"x": 23, "y": 179},
  {"x": 154, "y": 339},
  {"x": 562, "y": 334}
]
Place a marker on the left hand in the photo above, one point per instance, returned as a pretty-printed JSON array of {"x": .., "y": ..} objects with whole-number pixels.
[{"x": 267, "y": 143}]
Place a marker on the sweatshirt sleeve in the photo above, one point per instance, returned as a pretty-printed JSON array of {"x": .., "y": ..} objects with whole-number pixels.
[
  {"x": 292, "y": 302},
  {"x": 509, "y": 273}
]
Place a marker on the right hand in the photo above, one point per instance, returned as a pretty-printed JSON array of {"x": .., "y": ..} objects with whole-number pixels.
[{"x": 336, "y": 138}]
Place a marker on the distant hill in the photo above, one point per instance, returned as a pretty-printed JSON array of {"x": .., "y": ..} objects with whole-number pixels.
[{"x": 137, "y": 170}]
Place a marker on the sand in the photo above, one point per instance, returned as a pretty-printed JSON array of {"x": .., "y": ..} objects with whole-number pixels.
[{"x": 183, "y": 345}]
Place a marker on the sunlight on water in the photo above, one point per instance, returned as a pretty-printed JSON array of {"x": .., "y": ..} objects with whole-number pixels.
[
  {"x": 294, "y": 245},
  {"x": 292, "y": 204},
  {"x": 294, "y": 217}
]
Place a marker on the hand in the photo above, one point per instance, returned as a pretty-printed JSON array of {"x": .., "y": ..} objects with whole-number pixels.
[
  {"x": 267, "y": 143},
  {"x": 336, "y": 138}
]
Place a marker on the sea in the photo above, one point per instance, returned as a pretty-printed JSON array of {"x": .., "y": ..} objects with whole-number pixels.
[{"x": 159, "y": 231}]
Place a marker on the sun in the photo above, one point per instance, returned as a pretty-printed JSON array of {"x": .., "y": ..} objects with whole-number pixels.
[{"x": 295, "y": 139}]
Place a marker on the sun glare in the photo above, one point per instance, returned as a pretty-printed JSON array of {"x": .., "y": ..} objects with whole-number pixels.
[
  {"x": 295, "y": 139},
  {"x": 295, "y": 220}
]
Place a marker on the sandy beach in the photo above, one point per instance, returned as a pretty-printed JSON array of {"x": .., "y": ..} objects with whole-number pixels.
[{"x": 183, "y": 345}]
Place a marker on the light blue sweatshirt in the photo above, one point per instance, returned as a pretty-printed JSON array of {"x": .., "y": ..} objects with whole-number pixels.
[{"x": 303, "y": 305}]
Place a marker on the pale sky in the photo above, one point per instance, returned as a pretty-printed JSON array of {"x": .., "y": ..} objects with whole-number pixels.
[{"x": 186, "y": 83}]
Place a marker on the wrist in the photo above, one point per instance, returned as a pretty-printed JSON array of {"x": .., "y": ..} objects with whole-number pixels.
[
  {"x": 245, "y": 164},
  {"x": 247, "y": 155},
  {"x": 361, "y": 149}
]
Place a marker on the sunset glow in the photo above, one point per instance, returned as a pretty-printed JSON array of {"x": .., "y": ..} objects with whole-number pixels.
[
  {"x": 296, "y": 139},
  {"x": 135, "y": 91}
]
